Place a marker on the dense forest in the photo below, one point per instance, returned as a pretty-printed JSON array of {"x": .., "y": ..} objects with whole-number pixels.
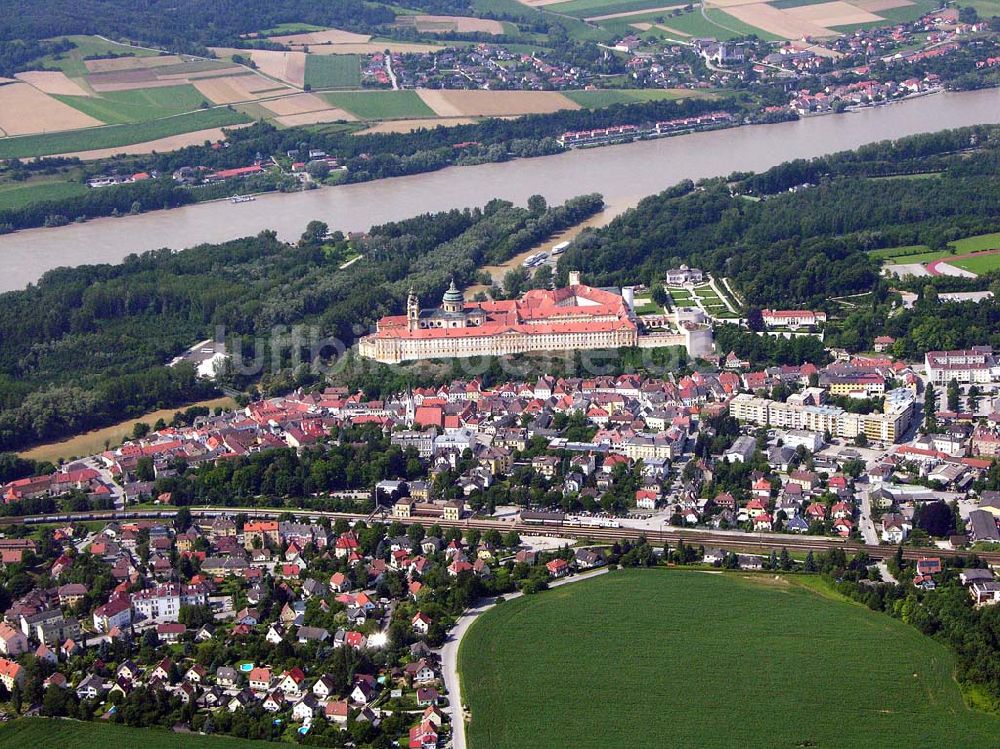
[
  {"x": 180, "y": 25},
  {"x": 87, "y": 346},
  {"x": 16, "y": 55}
]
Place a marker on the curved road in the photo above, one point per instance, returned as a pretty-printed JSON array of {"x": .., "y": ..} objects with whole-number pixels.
[{"x": 449, "y": 654}]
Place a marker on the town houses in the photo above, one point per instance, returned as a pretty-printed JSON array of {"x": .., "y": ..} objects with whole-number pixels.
[{"x": 141, "y": 635}]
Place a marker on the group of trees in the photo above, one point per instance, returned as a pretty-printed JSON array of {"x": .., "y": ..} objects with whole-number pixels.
[
  {"x": 183, "y": 26},
  {"x": 87, "y": 347},
  {"x": 359, "y": 462},
  {"x": 945, "y": 613},
  {"x": 17, "y": 54}
]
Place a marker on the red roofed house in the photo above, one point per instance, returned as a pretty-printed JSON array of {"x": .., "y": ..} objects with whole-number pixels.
[
  {"x": 421, "y": 623},
  {"x": 11, "y": 673},
  {"x": 558, "y": 567},
  {"x": 423, "y": 736}
]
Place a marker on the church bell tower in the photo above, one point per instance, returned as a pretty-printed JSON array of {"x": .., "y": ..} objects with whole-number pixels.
[{"x": 412, "y": 311}]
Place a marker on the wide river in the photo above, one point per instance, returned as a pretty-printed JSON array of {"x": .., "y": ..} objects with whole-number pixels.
[{"x": 623, "y": 174}]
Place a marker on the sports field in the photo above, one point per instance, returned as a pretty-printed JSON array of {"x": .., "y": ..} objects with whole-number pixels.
[
  {"x": 45, "y": 733},
  {"x": 138, "y": 105},
  {"x": 333, "y": 71},
  {"x": 381, "y": 105},
  {"x": 980, "y": 263},
  {"x": 651, "y": 658},
  {"x": 113, "y": 136},
  {"x": 919, "y": 253}
]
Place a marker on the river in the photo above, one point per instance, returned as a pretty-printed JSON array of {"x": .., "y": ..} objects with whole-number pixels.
[{"x": 623, "y": 174}]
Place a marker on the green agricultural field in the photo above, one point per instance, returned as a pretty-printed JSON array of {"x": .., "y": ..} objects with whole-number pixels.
[
  {"x": 71, "y": 62},
  {"x": 850, "y": 28},
  {"x": 908, "y": 13},
  {"x": 588, "y": 8},
  {"x": 333, "y": 71},
  {"x": 985, "y": 8},
  {"x": 511, "y": 10},
  {"x": 114, "y": 136},
  {"x": 980, "y": 264},
  {"x": 651, "y": 658},
  {"x": 608, "y": 97},
  {"x": 715, "y": 23},
  {"x": 18, "y": 194},
  {"x": 381, "y": 105},
  {"x": 138, "y": 105},
  {"x": 45, "y": 733},
  {"x": 724, "y": 20}
]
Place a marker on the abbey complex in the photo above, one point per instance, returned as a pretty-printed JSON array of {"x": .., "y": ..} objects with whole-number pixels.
[{"x": 574, "y": 317}]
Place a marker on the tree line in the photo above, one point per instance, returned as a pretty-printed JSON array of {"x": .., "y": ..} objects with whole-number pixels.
[{"x": 86, "y": 347}]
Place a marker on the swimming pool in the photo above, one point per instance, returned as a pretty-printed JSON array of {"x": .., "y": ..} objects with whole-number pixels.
[{"x": 246, "y": 667}]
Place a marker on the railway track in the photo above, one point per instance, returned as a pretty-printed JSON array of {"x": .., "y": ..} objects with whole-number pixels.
[{"x": 759, "y": 542}]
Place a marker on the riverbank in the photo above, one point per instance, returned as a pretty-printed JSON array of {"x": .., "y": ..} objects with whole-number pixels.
[{"x": 626, "y": 172}]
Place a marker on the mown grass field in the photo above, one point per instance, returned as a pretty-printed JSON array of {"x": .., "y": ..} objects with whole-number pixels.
[
  {"x": 72, "y": 62},
  {"x": 608, "y": 97},
  {"x": 977, "y": 243},
  {"x": 333, "y": 71},
  {"x": 718, "y": 17},
  {"x": 381, "y": 105},
  {"x": 649, "y": 308},
  {"x": 138, "y": 105},
  {"x": 650, "y": 658},
  {"x": 113, "y": 136},
  {"x": 18, "y": 195},
  {"x": 46, "y": 733}
]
